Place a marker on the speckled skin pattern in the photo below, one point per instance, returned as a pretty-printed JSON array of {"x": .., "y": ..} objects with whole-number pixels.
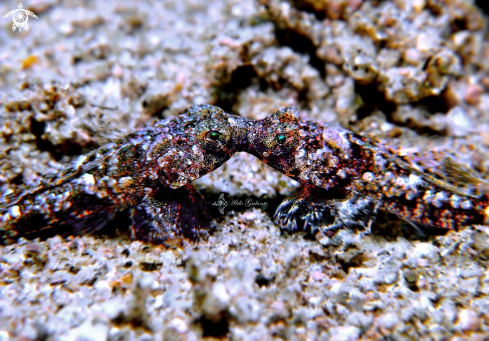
[
  {"x": 148, "y": 172},
  {"x": 347, "y": 178}
]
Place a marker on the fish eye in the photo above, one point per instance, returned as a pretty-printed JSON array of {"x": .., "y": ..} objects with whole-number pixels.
[
  {"x": 281, "y": 142},
  {"x": 281, "y": 139},
  {"x": 214, "y": 135}
]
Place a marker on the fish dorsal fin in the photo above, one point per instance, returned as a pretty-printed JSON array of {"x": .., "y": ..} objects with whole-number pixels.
[{"x": 446, "y": 172}]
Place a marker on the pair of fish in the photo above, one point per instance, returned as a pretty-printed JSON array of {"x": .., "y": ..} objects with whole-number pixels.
[{"x": 345, "y": 178}]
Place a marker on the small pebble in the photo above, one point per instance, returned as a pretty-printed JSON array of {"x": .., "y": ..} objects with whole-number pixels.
[{"x": 468, "y": 320}]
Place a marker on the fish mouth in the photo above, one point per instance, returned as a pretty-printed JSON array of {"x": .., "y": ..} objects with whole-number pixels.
[{"x": 241, "y": 134}]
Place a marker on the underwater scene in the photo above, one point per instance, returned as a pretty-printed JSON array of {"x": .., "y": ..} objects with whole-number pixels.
[{"x": 244, "y": 170}]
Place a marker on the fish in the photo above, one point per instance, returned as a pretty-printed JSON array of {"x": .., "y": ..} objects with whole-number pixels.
[
  {"x": 148, "y": 173},
  {"x": 346, "y": 179}
]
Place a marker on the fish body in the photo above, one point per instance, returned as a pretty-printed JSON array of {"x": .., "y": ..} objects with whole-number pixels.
[
  {"x": 346, "y": 178},
  {"x": 148, "y": 172}
]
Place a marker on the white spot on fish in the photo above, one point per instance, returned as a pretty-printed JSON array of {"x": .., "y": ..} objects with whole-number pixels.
[
  {"x": 455, "y": 201},
  {"x": 414, "y": 180},
  {"x": 467, "y": 205},
  {"x": 341, "y": 174},
  {"x": 428, "y": 197},
  {"x": 400, "y": 182},
  {"x": 439, "y": 199},
  {"x": 368, "y": 177},
  {"x": 126, "y": 181},
  {"x": 87, "y": 179},
  {"x": 14, "y": 211},
  {"x": 80, "y": 161}
]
